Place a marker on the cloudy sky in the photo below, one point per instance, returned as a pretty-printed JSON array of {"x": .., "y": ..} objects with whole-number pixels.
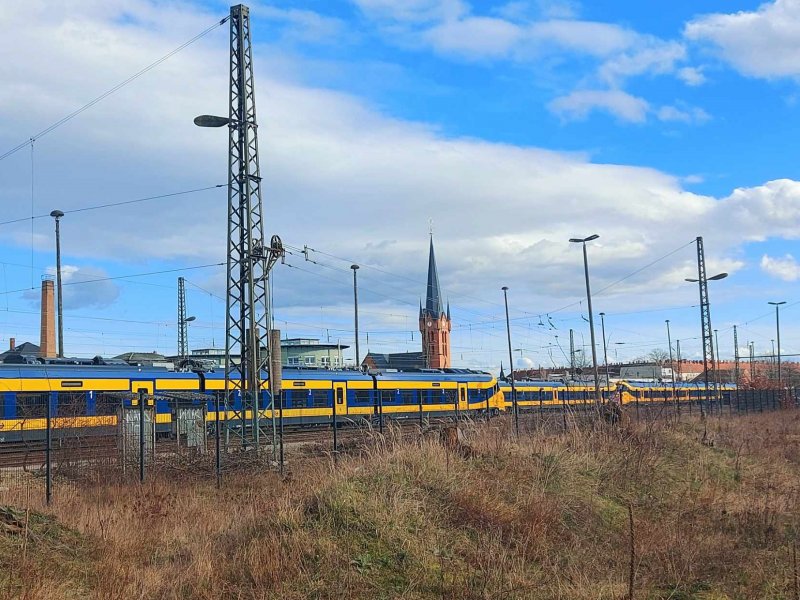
[{"x": 507, "y": 127}]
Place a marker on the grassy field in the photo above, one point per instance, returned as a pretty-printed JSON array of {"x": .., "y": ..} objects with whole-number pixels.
[{"x": 552, "y": 515}]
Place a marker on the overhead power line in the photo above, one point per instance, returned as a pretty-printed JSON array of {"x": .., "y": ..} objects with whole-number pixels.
[
  {"x": 121, "y": 203},
  {"x": 179, "y": 270},
  {"x": 107, "y": 93}
]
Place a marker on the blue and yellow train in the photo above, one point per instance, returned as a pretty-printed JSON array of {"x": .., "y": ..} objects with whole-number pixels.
[
  {"x": 541, "y": 394},
  {"x": 91, "y": 398}
]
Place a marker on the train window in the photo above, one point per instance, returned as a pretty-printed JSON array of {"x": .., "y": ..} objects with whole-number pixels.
[
  {"x": 360, "y": 397},
  {"x": 31, "y": 406},
  {"x": 408, "y": 397},
  {"x": 320, "y": 398},
  {"x": 72, "y": 404},
  {"x": 106, "y": 404},
  {"x": 339, "y": 395},
  {"x": 449, "y": 397}
]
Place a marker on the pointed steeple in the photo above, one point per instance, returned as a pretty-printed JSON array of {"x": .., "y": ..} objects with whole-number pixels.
[
  {"x": 502, "y": 375},
  {"x": 448, "y": 310},
  {"x": 420, "y": 309},
  {"x": 433, "y": 298}
]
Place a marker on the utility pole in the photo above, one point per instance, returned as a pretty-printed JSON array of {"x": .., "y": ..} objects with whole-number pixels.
[
  {"x": 671, "y": 365},
  {"x": 705, "y": 316},
  {"x": 183, "y": 325},
  {"x": 511, "y": 365},
  {"x": 735, "y": 356},
  {"x": 678, "y": 356},
  {"x": 777, "y": 306},
  {"x": 249, "y": 259},
  {"x": 57, "y": 214},
  {"x": 752, "y": 346},
  {"x": 572, "y": 353},
  {"x": 355, "y": 306},
  {"x": 605, "y": 348}
]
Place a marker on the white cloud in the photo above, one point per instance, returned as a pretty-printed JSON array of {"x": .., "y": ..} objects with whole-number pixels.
[
  {"x": 338, "y": 175},
  {"x": 785, "y": 268},
  {"x": 578, "y": 105},
  {"x": 474, "y": 37},
  {"x": 760, "y": 43},
  {"x": 648, "y": 56},
  {"x": 683, "y": 114},
  {"x": 691, "y": 76},
  {"x": 412, "y": 11},
  {"x": 84, "y": 287}
]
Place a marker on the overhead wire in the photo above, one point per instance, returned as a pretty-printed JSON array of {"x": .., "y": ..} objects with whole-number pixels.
[{"x": 110, "y": 91}]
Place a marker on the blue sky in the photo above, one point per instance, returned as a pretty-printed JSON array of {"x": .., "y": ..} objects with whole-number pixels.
[{"x": 511, "y": 125}]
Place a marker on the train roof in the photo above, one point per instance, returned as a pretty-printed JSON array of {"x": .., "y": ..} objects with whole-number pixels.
[
  {"x": 668, "y": 384},
  {"x": 35, "y": 371},
  {"x": 524, "y": 384}
]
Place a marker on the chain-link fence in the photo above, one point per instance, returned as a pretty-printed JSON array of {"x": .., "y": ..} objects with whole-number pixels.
[{"x": 62, "y": 439}]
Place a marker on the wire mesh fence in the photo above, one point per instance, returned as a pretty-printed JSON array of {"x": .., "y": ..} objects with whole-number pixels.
[{"x": 81, "y": 438}]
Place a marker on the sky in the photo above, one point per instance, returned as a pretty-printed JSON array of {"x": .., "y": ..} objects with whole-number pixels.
[{"x": 506, "y": 128}]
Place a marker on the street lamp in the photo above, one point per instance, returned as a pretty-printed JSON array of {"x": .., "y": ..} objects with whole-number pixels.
[
  {"x": 57, "y": 214},
  {"x": 605, "y": 347},
  {"x": 511, "y": 364},
  {"x": 591, "y": 317},
  {"x": 778, "y": 335},
  {"x": 705, "y": 305},
  {"x": 355, "y": 305}
]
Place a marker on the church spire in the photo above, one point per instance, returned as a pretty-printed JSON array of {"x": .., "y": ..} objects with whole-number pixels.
[{"x": 433, "y": 298}]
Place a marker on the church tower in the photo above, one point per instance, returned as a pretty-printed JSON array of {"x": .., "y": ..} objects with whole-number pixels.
[{"x": 434, "y": 321}]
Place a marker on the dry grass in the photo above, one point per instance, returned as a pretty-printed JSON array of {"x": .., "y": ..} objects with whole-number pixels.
[{"x": 542, "y": 517}]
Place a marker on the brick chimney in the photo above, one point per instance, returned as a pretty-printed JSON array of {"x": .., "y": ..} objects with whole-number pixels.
[{"x": 47, "y": 343}]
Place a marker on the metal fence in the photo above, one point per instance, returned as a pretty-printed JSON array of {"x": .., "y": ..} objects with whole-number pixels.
[{"x": 124, "y": 436}]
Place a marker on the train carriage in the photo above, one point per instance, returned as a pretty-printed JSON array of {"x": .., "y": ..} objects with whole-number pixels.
[{"x": 87, "y": 399}]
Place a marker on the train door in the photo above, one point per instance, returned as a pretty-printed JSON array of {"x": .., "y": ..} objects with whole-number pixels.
[
  {"x": 340, "y": 398},
  {"x": 462, "y": 397}
]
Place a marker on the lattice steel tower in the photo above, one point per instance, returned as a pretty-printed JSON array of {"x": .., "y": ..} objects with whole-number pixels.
[
  {"x": 705, "y": 317},
  {"x": 183, "y": 343},
  {"x": 247, "y": 286}
]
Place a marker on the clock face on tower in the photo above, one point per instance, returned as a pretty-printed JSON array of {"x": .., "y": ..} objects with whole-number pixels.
[{"x": 429, "y": 323}]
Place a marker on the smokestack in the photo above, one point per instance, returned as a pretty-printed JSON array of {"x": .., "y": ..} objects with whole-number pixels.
[
  {"x": 12, "y": 343},
  {"x": 47, "y": 343}
]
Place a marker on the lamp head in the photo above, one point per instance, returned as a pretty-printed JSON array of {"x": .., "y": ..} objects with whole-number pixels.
[
  {"x": 57, "y": 214},
  {"x": 211, "y": 121},
  {"x": 718, "y": 276},
  {"x": 776, "y": 303},
  {"x": 354, "y": 267},
  {"x": 504, "y": 288},
  {"x": 189, "y": 319}
]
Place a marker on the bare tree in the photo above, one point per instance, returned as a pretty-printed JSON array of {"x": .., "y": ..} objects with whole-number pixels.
[{"x": 658, "y": 356}]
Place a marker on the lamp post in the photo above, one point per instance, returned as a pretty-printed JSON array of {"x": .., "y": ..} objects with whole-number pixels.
[
  {"x": 511, "y": 365},
  {"x": 591, "y": 317},
  {"x": 778, "y": 335},
  {"x": 705, "y": 318},
  {"x": 355, "y": 306},
  {"x": 57, "y": 214},
  {"x": 605, "y": 347}
]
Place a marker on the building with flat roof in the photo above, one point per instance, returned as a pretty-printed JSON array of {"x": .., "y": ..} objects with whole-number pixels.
[{"x": 295, "y": 352}]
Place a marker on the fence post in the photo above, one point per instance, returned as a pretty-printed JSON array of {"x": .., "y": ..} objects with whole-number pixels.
[
  {"x": 280, "y": 426},
  {"x": 335, "y": 433},
  {"x": 48, "y": 448},
  {"x": 380, "y": 409},
  {"x": 141, "y": 435}
]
